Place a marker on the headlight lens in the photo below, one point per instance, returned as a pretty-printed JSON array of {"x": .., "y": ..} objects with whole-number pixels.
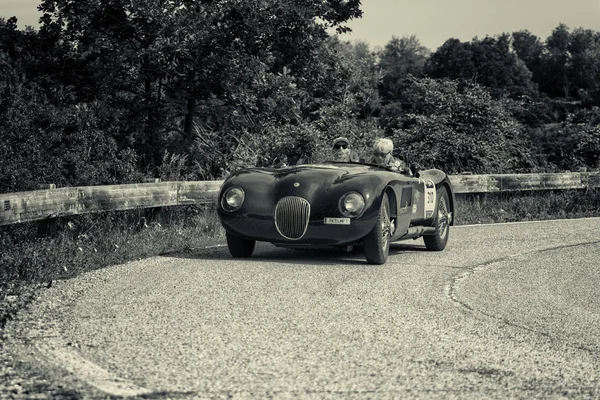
[
  {"x": 232, "y": 199},
  {"x": 352, "y": 204}
]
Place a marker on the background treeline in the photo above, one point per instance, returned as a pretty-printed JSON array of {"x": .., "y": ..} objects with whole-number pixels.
[{"x": 116, "y": 91}]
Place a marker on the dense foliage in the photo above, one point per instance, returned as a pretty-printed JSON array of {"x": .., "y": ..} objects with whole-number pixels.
[
  {"x": 459, "y": 128},
  {"x": 119, "y": 91}
]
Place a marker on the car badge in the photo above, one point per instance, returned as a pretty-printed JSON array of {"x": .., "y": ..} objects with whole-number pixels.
[{"x": 296, "y": 184}]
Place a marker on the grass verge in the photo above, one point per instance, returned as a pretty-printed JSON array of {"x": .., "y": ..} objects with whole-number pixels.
[
  {"x": 490, "y": 208},
  {"x": 35, "y": 254}
]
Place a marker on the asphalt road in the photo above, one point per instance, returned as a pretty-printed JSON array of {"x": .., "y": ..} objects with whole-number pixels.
[{"x": 506, "y": 311}]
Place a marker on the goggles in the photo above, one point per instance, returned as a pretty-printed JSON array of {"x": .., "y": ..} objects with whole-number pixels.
[
  {"x": 380, "y": 154},
  {"x": 338, "y": 146}
]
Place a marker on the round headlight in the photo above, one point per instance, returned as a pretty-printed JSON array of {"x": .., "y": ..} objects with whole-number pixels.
[
  {"x": 352, "y": 204},
  {"x": 232, "y": 199}
]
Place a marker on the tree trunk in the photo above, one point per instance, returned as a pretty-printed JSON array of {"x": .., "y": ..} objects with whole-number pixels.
[
  {"x": 152, "y": 148},
  {"x": 189, "y": 120}
]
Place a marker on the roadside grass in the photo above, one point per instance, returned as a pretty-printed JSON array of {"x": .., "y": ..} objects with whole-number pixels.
[
  {"x": 490, "y": 208},
  {"x": 33, "y": 255}
]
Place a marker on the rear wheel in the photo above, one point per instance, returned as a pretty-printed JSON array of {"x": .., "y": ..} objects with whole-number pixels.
[
  {"x": 239, "y": 247},
  {"x": 438, "y": 240},
  {"x": 377, "y": 242}
]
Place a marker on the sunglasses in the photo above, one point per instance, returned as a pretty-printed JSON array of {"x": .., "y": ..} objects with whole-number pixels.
[
  {"x": 378, "y": 154},
  {"x": 340, "y": 146}
]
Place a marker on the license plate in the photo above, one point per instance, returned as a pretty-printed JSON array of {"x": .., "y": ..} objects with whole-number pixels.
[{"x": 337, "y": 221}]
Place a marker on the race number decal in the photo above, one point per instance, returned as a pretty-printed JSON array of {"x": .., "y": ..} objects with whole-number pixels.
[{"x": 430, "y": 198}]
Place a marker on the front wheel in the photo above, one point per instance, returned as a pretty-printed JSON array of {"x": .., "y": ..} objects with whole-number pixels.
[
  {"x": 438, "y": 240},
  {"x": 239, "y": 247},
  {"x": 377, "y": 242}
]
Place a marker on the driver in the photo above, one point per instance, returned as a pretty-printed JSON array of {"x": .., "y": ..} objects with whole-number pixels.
[{"x": 341, "y": 150}]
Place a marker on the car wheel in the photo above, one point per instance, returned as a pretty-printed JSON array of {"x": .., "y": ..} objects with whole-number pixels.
[
  {"x": 377, "y": 242},
  {"x": 438, "y": 240},
  {"x": 239, "y": 247}
]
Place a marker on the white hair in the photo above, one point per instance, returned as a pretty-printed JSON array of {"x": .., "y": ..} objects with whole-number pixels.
[{"x": 383, "y": 145}]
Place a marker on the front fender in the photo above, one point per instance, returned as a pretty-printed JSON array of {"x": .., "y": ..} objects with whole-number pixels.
[{"x": 441, "y": 180}]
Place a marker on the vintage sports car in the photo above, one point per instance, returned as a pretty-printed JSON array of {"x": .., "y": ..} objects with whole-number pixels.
[{"x": 336, "y": 205}]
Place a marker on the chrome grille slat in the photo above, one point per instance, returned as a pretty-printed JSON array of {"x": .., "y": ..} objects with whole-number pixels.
[{"x": 292, "y": 214}]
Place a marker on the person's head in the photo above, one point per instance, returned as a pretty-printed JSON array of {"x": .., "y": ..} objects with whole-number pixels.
[
  {"x": 341, "y": 149},
  {"x": 382, "y": 150}
]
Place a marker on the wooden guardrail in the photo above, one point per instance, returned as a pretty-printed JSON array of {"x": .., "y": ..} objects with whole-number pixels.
[
  {"x": 51, "y": 203},
  {"x": 523, "y": 182}
]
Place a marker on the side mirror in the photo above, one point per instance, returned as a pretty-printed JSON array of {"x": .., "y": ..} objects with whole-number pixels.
[{"x": 415, "y": 168}]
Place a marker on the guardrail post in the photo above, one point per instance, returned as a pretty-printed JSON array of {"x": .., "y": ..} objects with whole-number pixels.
[
  {"x": 45, "y": 186},
  {"x": 152, "y": 214},
  {"x": 47, "y": 227}
]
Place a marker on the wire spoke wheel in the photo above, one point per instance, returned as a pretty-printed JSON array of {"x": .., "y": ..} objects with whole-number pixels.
[
  {"x": 377, "y": 242},
  {"x": 385, "y": 227},
  {"x": 443, "y": 219}
]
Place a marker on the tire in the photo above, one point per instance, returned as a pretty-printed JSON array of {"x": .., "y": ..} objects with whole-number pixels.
[
  {"x": 437, "y": 241},
  {"x": 239, "y": 247},
  {"x": 377, "y": 242}
]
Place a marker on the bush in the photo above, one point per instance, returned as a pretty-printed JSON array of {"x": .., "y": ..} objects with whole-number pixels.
[
  {"x": 460, "y": 128},
  {"x": 66, "y": 145},
  {"x": 567, "y": 146},
  {"x": 90, "y": 241}
]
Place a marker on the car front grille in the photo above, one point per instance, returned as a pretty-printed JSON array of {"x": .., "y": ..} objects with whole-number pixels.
[{"x": 291, "y": 217}]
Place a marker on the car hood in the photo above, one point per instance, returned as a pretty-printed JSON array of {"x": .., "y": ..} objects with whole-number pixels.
[
  {"x": 320, "y": 184},
  {"x": 309, "y": 177}
]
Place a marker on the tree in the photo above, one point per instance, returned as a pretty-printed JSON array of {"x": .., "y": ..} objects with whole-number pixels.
[
  {"x": 460, "y": 128},
  {"x": 453, "y": 60},
  {"x": 282, "y": 116},
  {"x": 566, "y": 65},
  {"x": 352, "y": 76},
  {"x": 556, "y": 61},
  {"x": 18, "y": 50},
  {"x": 530, "y": 50},
  {"x": 499, "y": 69},
  {"x": 488, "y": 62},
  {"x": 160, "y": 58},
  {"x": 400, "y": 58},
  {"x": 584, "y": 71}
]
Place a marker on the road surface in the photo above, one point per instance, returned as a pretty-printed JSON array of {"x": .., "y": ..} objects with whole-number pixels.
[{"x": 507, "y": 310}]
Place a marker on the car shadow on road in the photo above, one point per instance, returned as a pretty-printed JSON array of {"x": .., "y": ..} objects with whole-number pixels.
[{"x": 269, "y": 253}]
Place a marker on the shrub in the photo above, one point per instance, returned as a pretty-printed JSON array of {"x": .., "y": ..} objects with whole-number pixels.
[
  {"x": 67, "y": 145},
  {"x": 460, "y": 128}
]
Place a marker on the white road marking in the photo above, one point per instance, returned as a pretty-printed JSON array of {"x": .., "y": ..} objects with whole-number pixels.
[
  {"x": 526, "y": 222},
  {"x": 57, "y": 351}
]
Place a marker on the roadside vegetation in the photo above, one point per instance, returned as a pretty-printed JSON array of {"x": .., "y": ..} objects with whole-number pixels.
[
  {"x": 491, "y": 208},
  {"x": 36, "y": 254}
]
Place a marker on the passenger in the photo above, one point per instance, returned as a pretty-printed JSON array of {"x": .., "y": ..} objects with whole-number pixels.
[{"x": 382, "y": 155}]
